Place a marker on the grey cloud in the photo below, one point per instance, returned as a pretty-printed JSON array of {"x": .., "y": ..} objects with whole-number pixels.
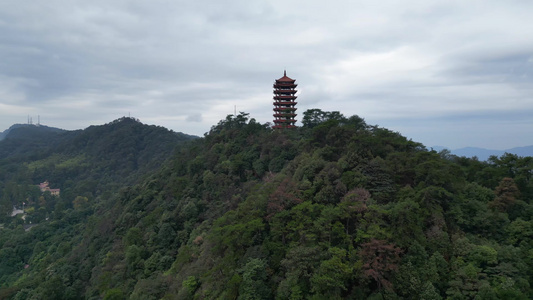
[
  {"x": 194, "y": 118},
  {"x": 187, "y": 63},
  {"x": 505, "y": 66}
]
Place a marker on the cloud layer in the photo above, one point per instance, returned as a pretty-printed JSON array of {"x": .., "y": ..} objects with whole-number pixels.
[{"x": 451, "y": 73}]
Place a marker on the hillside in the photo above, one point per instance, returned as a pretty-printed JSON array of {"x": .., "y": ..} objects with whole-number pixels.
[
  {"x": 88, "y": 163},
  {"x": 336, "y": 209}
]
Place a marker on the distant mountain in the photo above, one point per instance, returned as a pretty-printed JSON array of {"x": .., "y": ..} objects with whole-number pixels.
[
  {"x": 480, "y": 153},
  {"x": 522, "y": 151},
  {"x": 484, "y": 154},
  {"x": 4, "y": 133},
  {"x": 21, "y": 139},
  {"x": 94, "y": 159},
  {"x": 28, "y": 131}
]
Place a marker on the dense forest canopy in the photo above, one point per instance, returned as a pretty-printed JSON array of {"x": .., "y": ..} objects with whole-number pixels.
[{"x": 335, "y": 209}]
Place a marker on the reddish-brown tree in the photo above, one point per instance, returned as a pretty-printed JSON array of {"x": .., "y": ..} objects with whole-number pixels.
[
  {"x": 284, "y": 197},
  {"x": 506, "y": 193},
  {"x": 380, "y": 259}
]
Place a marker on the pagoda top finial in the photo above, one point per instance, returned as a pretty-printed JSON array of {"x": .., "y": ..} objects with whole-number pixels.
[{"x": 285, "y": 78}]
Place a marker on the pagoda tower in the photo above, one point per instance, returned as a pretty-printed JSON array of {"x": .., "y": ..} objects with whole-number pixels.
[{"x": 284, "y": 102}]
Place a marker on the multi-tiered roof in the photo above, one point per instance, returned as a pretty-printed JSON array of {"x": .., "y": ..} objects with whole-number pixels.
[{"x": 284, "y": 102}]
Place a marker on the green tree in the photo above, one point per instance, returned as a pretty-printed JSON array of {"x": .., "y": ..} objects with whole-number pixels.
[
  {"x": 254, "y": 285},
  {"x": 114, "y": 294},
  {"x": 80, "y": 202},
  {"x": 333, "y": 275}
]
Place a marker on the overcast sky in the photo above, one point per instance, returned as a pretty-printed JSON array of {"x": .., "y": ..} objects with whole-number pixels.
[{"x": 450, "y": 73}]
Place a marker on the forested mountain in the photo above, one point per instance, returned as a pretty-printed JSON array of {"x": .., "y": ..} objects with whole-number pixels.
[
  {"x": 21, "y": 139},
  {"x": 87, "y": 163},
  {"x": 336, "y": 209},
  {"x": 22, "y": 130}
]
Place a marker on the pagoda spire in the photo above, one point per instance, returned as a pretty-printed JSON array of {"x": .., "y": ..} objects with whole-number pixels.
[{"x": 284, "y": 102}]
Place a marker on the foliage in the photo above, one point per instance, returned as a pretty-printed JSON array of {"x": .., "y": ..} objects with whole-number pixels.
[{"x": 335, "y": 209}]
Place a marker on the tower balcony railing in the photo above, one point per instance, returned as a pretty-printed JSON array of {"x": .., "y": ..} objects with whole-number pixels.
[
  {"x": 284, "y": 85},
  {"x": 284, "y": 115},
  {"x": 285, "y": 91},
  {"x": 285, "y": 103},
  {"x": 285, "y": 97},
  {"x": 285, "y": 109},
  {"x": 284, "y": 121}
]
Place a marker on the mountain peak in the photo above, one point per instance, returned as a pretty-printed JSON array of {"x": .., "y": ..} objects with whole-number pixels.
[{"x": 28, "y": 130}]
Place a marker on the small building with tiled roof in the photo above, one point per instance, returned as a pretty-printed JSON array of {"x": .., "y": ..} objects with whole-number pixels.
[{"x": 44, "y": 186}]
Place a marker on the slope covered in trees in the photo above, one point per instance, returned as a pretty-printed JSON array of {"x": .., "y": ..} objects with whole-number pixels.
[
  {"x": 334, "y": 209},
  {"x": 87, "y": 163}
]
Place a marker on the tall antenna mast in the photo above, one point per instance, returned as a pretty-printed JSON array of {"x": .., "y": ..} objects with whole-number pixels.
[{"x": 235, "y": 110}]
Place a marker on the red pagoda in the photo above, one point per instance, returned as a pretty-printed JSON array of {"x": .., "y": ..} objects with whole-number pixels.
[{"x": 284, "y": 102}]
